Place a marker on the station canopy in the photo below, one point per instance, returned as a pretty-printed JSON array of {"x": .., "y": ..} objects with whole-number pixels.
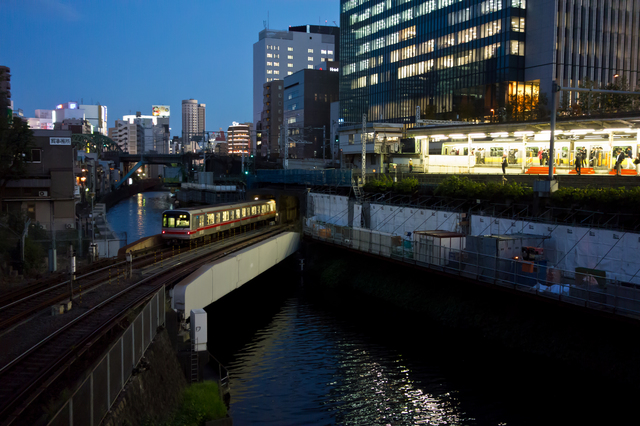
[{"x": 565, "y": 129}]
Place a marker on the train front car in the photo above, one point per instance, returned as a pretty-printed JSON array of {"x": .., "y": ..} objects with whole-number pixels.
[{"x": 176, "y": 225}]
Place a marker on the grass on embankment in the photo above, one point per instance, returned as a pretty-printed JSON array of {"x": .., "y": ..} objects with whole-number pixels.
[{"x": 200, "y": 403}]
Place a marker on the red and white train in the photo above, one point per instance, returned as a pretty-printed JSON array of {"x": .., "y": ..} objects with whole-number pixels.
[{"x": 197, "y": 222}]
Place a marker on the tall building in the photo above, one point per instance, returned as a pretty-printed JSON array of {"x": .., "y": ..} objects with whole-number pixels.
[
  {"x": 271, "y": 117},
  {"x": 193, "y": 124},
  {"x": 465, "y": 59},
  {"x": 95, "y": 115},
  {"x": 5, "y": 89},
  {"x": 128, "y": 135},
  {"x": 153, "y": 132},
  {"x": 278, "y": 54},
  {"x": 239, "y": 139},
  {"x": 308, "y": 95}
]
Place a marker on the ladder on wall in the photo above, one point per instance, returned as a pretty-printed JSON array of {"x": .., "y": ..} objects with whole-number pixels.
[
  {"x": 195, "y": 373},
  {"x": 357, "y": 189}
]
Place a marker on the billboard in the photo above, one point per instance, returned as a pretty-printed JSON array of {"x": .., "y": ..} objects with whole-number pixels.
[{"x": 160, "y": 110}]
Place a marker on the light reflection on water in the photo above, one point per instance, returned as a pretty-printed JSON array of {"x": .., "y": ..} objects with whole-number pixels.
[
  {"x": 307, "y": 367},
  {"x": 139, "y": 216}
]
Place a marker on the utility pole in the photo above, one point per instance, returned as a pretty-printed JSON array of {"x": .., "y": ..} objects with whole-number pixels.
[
  {"x": 72, "y": 271},
  {"x": 286, "y": 145},
  {"x": 554, "y": 104},
  {"x": 324, "y": 138},
  {"x": 364, "y": 147}
]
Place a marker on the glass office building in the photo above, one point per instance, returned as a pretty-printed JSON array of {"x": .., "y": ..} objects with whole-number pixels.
[{"x": 468, "y": 59}]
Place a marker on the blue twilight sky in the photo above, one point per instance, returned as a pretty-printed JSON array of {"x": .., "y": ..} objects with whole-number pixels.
[{"x": 129, "y": 55}]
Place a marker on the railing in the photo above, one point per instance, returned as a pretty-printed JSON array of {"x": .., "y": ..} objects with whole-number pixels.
[
  {"x": 538, "y": 278},
  {"x": 223, "y": 377},
  {"x": 306, "y": 177},
  {"x": 92, "y": 400}
]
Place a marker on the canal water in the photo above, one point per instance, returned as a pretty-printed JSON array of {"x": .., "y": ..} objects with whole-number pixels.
[
  {"x": 139, "y": 216},
  {"x": 298, "y": 358}
]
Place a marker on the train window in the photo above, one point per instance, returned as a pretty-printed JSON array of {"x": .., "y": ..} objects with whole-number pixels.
[
  {"x": 225, "y": 216},
  {"x": 201, "y": 220},
  {"x": 253, "y": 210},
  {"x": 238, "y": 214},
  {"x": 231, "y": 215},
  {"x": 244, "y": 212},
  {"x": 175, "y": 220},
  {"x": 217, "y": 217},
  {"x": 211, "y": 219},
  {"x": 264, "y": 208},
  {"x": 497, "y": 151}
]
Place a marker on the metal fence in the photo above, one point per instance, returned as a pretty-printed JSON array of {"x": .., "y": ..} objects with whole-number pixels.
[
  {"x": 574, "y": 287},
  {"x": 332, "y": 177},
  {"x": 94, "y": 397}
]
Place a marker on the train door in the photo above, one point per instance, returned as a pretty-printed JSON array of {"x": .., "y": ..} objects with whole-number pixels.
[
  {"x": 532, "y": 156},
  {"x": 627, "y": 150}
]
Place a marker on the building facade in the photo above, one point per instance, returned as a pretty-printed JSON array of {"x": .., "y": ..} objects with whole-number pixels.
[
  {"x": 271, "y": 118},
  {"x": 468, "y": 59},
  {"x": 193, "y": 124},
  {"x": 278, "y": 54},
  {"x": 128, "y": 136},
  {"x": 239, "y": 139},
  {"x": 308, "y": 95},
  {"x": 48, "y": 192},
  {"x": 5, "y": 89}
]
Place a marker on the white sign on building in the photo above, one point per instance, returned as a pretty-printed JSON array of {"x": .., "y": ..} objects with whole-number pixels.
[{"x": 59, "y": 141}]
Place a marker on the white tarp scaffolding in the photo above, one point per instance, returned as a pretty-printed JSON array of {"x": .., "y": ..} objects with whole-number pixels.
[
  {"x": 570, "y": 247},
  {"x": 401, "y": 220},
  {"x": 330, "y": 208},
  {"x": 334, "y": 209}
]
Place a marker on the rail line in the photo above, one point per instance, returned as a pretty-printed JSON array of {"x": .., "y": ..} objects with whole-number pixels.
[
  {"x": 24, "y": 378},
  {"x": 29, "y": 300}
]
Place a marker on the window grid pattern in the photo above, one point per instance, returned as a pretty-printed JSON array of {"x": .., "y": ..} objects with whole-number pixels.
[{"x": 438, "y": 54}]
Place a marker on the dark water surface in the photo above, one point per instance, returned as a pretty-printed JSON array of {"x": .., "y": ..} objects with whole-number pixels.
[
  {"x": 296, "y": 359},
  {"x": 139, "y": 216}
]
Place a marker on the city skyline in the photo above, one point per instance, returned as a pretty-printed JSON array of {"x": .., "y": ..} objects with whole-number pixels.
[{"x": 71, "y": 51}]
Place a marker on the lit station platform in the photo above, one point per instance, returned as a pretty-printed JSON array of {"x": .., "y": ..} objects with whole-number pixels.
[{"x": 463, "y": 148}]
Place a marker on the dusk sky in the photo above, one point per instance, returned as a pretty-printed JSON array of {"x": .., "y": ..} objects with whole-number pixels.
[{"x": 128, "y": 55}]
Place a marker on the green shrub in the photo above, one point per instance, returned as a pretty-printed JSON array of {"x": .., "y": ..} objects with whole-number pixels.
[
  {"x": 608, "y": 199},
  {"x": 201, "y": 403},
  {"x": 463, "y": 187},
  {"x": 381, "y": 184},
  {"x": 407, "y": 185}
]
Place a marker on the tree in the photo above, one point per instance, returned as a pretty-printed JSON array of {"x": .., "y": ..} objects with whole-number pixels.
[{"x": 16, "y": 141}]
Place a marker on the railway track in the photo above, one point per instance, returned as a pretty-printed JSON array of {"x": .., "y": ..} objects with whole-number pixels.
[
  {"x": 23, "y": 303},
  {"x": 24, "y": 378}
]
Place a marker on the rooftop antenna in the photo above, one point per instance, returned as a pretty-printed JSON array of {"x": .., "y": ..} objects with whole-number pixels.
[{"x": 264, "y": 23}]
